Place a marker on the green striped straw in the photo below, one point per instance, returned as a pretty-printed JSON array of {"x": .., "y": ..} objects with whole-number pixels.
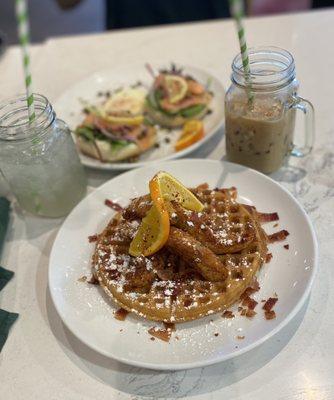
[
  {"x": 237, "y": 12},
  {"x": 23, "y": 32}
]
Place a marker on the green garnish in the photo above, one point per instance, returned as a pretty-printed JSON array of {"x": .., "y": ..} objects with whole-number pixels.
[
  {"x": 90, "y": 134},
  {"x": 192, "y": 111},
  {"x": 86, "y": 133}
]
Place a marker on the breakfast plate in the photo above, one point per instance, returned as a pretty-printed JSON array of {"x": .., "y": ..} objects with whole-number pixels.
[
  {"x": 69, "y": 107},
  {"x": 89, "y": 314}
]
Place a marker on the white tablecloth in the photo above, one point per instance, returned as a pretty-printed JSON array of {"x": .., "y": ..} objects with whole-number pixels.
[{"x": 43, "y": 360}]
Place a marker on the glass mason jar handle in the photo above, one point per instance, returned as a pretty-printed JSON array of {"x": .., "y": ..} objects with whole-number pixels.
[{"x": 304, "y": 105}]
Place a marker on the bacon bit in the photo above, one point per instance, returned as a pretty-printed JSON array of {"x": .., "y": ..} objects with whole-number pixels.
[
  {"x": 245, "y": 301},
  {"x": 216, "y": 334},
  {"x": 93, "y": 280},
  {"x": 92, "y": 238},
  {"x": 188, "y": 302},
  {"x": 269, "y": 256},
  {"x": 268, "y": 217},
  {"x": 270, "y": 314},
  {"x": 203, "y": 186},
  {"x": 161, "y": 334},
  {"x": 228, "y": 314},
  {"x": 121, "y": 314},
  {"x": 251, "y": 289},
  {"x": 249, "y": 208},
  {"x": 286, "y": 246},
  {"x": 113, "y": 205},
  {"x": 233, "y": 191},
  {"x": 228, "y": 193},
  {"x": 249, "y": 303},
  {"x": 275, "y": 225},
  {"x": 269, "y": 304},
  {"x": 169, "y": 326},
  {"x": 82, "y": 279},
  {"x": 250, "y": 313},
  {"x": 278, "y": 236},
  {"x": 248, "y": 291},
  {"x": 240, "y": 337}
]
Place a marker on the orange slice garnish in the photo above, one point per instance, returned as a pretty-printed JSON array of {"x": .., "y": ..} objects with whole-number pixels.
[
  {"x": 153, "y": 231},
  {"x": 192, "y": 132}
]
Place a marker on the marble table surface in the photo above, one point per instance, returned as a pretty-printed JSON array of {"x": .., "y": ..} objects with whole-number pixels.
[{"x": 43, "y": 360}]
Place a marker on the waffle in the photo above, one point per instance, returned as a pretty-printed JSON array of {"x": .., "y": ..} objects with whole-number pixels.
[{"x": 170, "y": 285}]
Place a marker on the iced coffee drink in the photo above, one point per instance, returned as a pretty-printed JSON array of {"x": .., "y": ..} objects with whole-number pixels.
[
  {"x": 259, "y": 134},
  {"x": 260, "y": 110}
]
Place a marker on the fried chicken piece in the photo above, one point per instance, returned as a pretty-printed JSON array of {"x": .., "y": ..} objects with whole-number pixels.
[
  {"x": 123, "y": 233},
  {"x": 174, "y": 267},
  {"x": 138, "y": 208},
  {"x": 196, "y": 255},
  {"x": 217, "y": 232}
]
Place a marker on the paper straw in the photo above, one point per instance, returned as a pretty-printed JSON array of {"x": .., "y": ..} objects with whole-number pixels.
[
  {"x": 237, "y": 12},
  {"x": 23, "y": 32}
]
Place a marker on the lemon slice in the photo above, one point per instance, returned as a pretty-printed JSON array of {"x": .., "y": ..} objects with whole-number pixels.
[
  {"x": 124, "y": 120},
  {"x": 153, "y": 232},
  {"x": 177, "y": 88},
  {"x": 165, "y": 186}
]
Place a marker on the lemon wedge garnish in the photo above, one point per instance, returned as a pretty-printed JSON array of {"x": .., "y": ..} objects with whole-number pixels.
[
  {"x": 177, "y": 88},
  {"x": 165, "y": 186}
]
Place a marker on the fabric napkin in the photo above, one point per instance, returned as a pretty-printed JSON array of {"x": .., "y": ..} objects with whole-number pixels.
[
  {"x": 6, "y": 318},
  {"x": 6, "y": 321},
  {"x": 4, "y": 219}
]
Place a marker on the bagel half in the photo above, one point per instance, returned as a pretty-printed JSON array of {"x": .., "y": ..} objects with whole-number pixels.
[{"x": 110, "y": 152}]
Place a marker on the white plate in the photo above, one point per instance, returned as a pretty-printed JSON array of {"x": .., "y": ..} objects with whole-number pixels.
[
  {"x": 69, "y": 108},
  {"x": 89, "y": 314}
]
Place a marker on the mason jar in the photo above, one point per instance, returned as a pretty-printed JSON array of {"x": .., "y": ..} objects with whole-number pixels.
[
  {"x": 39, "y": 159},
  {"x": 260, "y": 111}
]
